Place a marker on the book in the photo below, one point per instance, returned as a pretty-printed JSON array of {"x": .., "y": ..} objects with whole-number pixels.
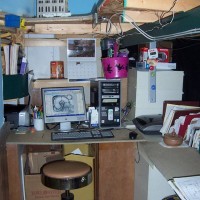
[
  {"x": 179, "y": 102},
  {"x": 187, "y": 188},
  {"x": 196, "y": 138},
  {"x": 171, "y": 114},
  {"x": 194, "y": 124},
  {"x": 11, "y": 58},
  {"x": 187, "y": 121}
]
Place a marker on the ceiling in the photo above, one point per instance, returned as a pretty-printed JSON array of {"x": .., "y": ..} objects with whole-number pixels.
[
  {"x": 109, "y": 11},
  {"x": 110, "y": 17},
  {"x": 144, "y": 11},
  {"x": 184, "y": 25}
]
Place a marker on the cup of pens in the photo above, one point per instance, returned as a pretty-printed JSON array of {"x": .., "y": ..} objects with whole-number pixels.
[{"x": 38, "y": 120}]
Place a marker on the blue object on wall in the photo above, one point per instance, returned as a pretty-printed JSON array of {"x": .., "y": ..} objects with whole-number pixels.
[
  {"x": 12, "y": 21},
  {"x": 1, "y": 95},
  {"x": 25, "y": 8}
]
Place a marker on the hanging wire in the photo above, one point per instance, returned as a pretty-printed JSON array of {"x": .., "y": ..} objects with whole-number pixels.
[
  {"x": 138, "y": 154},
  {"x": 166, "y": 12}
]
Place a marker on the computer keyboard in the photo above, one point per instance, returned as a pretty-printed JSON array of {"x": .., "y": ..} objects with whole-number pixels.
[{"x": 77, "y": 135}]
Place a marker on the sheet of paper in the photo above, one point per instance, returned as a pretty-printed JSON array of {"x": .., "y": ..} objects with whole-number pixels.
[{"x": 189, "y": 187}]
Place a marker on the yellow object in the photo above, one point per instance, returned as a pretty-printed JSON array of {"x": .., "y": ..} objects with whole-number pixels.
[
  {"x": 69, "y": 148},
  {"x": 22, "y": 24},
  {"x": 34, "y": 189}
]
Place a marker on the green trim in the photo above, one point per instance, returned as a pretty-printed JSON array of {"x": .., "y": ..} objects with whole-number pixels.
[{"x": 183, "y": 21}]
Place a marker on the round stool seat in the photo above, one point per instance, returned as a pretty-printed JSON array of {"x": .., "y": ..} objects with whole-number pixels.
[{"x": 66, "y": 175}]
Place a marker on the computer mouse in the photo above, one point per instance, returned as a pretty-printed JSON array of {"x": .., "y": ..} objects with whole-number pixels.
[{"x": 133, "y": 135}]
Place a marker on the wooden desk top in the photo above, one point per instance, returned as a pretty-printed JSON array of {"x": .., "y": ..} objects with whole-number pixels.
[{"x": 33, "y": 137}]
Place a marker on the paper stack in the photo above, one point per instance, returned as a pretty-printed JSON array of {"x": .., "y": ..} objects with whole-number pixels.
[{"x": 187, "y": 188}]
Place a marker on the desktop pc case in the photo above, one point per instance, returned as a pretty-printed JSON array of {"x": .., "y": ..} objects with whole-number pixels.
[{"x": 105, "y": 96}]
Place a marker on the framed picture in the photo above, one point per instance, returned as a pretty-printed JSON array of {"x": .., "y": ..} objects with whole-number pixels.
[{"x": 81, "y": 49}]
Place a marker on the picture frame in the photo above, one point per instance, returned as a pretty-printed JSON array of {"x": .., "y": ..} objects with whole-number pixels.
[{"x": 81, "y": 49}]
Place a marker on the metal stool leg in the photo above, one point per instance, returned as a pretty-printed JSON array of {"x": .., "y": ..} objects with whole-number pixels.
[{"x": 67, "y": 195}]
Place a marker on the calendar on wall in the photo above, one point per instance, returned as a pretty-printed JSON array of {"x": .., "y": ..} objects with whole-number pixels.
[
  {"x": 82, "y": 69},
  {"x": 81, "y": 58}
]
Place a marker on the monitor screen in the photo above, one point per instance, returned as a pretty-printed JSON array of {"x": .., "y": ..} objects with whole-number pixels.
[{"x": 64, "y": 105}]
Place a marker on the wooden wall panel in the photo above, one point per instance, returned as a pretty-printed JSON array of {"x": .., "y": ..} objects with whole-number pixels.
[
  {"x": 116, "y": 171},
  {"x": 14, "y": 175},
  {"x": 3, "y": 163}
]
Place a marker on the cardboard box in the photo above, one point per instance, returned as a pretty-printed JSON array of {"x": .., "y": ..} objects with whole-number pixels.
[
  {"x": 37, "y": 159},
  {"x": 35, "y": 190}
]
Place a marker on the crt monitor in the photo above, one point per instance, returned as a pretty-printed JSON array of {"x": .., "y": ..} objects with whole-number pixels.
[{"x": 64, "y": 105}]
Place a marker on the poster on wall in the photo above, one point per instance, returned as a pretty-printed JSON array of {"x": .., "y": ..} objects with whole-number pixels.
[{"x": 83, "y": 49}]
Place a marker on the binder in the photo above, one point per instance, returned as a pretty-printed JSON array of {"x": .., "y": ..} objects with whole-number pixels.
[
  {"x": 173, "y": 112},
  {"x": 179, "y": 113},
  {"x": 186, "y": 103},
  {"x": 188, "y": 119}
]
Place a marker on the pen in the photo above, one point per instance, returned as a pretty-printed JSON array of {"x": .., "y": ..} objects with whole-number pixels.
[{"x": 37, "y": 112}]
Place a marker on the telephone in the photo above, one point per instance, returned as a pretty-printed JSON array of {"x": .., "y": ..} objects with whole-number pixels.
[{"x": 149, "y": 124}]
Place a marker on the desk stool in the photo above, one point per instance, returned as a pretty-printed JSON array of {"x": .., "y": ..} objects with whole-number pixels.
[{"x": 66, "y": 175}]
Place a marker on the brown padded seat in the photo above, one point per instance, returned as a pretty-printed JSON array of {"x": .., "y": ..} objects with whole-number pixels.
[{"x": 66, "y": 175}]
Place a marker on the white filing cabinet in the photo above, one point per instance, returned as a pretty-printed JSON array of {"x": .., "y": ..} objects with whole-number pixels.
[{"x": 169, "y": 86}]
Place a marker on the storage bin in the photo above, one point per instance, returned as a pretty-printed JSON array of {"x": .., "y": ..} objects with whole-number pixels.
[{"x": 116, "y": 67}]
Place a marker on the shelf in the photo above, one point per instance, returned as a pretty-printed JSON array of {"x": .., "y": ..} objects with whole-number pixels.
[
  {"x": 55, "y": 20},
  {"x": 39, "y": 83}
]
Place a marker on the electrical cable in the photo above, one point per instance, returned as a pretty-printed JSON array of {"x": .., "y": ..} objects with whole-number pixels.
[
  {"x": 145, "y": 33},
  {"x": 164, "y": 13},
  {"x": 138, "y": 153},
  {"x": 163, "y": 37}
]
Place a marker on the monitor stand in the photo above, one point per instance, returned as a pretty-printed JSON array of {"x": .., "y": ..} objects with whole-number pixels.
[{"x": 65, "y": 126}]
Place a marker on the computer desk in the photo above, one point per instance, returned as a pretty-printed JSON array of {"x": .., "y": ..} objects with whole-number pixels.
[{"x": 114, "y": 162}]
